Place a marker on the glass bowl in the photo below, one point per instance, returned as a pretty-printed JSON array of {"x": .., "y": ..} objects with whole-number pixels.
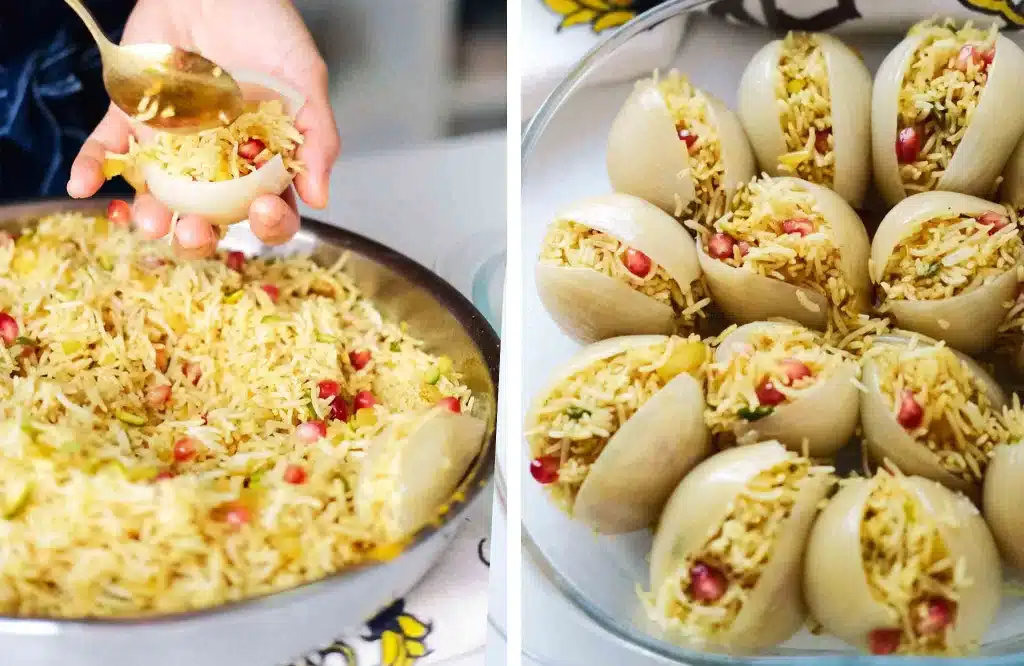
[{"x": 564, "y": 160}]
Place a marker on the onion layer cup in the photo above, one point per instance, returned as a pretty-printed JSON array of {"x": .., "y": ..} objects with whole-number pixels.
[
  {"x": 931, "y": 411},
  {"x": 1003, "y": 491},
  {"x": 726, "y": 563},
  {"x": 785, "y": 383},
  {"x": 413, "y": 468},
  {"x": 618, "y": 427},
  {"x": 678, "y": 147},
  {"x": 1012, "y": 191},
  {"x": 902, "y": 565},
  {"x": 948, "y": 266},
  {"x": 805, "y": 103},
  {"x": 212, "y": 175},
  {"x": 787, "y": 248},
  {"x": 616, "y": 265},
  {"x": 944, "y": 111}
]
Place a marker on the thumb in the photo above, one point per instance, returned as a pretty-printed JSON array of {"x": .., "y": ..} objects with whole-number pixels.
[{"x": 321, "y": 143}]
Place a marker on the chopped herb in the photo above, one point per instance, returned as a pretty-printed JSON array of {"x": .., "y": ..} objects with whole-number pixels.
[
  {"x": 928, "y": 270},
  {"x": 576, "y": 413},
  {"x": 323, "y": 337},
  {"x": 129, "y": 418},
  {"x": 432, "y": 376},
  {"x": 396, "y": 346},
  {"x": 234, "y": 297},
  {"x": 25, "y": 342},
  {"x": 756, "y": 413},
  {"x": 105, "y": 263},
  {"x": 272, "y": 319}
]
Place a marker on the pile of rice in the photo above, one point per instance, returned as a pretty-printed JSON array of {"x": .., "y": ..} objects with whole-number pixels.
[
  {"x": 212, "y": 155},
  {"x": 740, "y": 548},
  {"x": 731, "y": 395},
  {"x": 939, "y": 99},
  {"x": 805, "y": 109},
  {"x": 90, "y": 528},
  {"x": 961, "y": 425},
  {"x": 691, "y": 111},
  {"x": 906, "y": 562},
  {"x": 581, "y": 414},
  {"x": 755, "y": 217},
  {"x": 572, "y": 244},
  {"x": 947, "y": 256}
]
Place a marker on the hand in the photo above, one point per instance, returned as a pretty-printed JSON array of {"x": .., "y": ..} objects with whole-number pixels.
[{"x": 263, "y": 35}]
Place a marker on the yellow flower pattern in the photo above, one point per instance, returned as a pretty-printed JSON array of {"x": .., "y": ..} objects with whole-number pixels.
[{"x": 600, "y": 15}]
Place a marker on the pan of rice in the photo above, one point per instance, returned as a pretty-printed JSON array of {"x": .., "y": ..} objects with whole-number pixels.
[
  {"x": 617, "y": 265},
  {"x": 900, "y": 565},
  {"x": 944, "y": 110},
  {"x": 679, "y": 148},
  {"x": 947, "y": 266},
  {"x": 820, "y": 130},
  {"x": 201, "y": 452},
  {"x": 725, "y": 562}
]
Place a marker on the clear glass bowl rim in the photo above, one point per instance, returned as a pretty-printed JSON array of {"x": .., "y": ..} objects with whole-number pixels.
[{"x": 629, "y": 637}]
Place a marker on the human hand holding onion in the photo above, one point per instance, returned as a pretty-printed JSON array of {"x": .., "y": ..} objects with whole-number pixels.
[{"x": 266, "y": 38}]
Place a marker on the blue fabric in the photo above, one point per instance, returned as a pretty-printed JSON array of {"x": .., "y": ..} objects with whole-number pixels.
[{"x": 51, "y": 92}]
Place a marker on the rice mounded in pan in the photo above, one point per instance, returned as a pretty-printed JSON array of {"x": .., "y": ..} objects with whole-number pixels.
[
  {"x": 805, "y": 110},
  {"x": 704, "y": 596},
  {"x": 581, "y": 414},
  {"x": 941, "y": 89},
  {"x": 576, "y": 245},
  {"x": 178, "y": 434}
]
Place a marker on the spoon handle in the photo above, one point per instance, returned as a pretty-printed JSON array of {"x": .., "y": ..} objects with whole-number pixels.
[{"x": 97, "y": 33}]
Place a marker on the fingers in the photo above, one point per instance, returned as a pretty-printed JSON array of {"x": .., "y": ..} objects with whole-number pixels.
[
  {"x": 151, "y": 217},
  {"x": 87, "y": 169},
  {"x": 320, "y": 146},
  {"x": 194, "y": 238},
  {"x": 274, "y": 219}
]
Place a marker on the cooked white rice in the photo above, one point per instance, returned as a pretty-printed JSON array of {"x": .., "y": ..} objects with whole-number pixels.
[{"x": 805, "y": 110}]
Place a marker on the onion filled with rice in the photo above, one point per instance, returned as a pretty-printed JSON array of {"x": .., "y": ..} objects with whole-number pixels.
[
  {"x": 1012, "y": 188},
  {"x": 947, "y": 266},
  {"x": 726, "y": 558},
  {"x": 932, "y": 411},
  {"x": 617, "y": 428},
  {"x": 678, "y": 147},
  {"x": 901, "y": 565},
  {"x": 618, "y": 265},
  {"x": 944, "y": 110},
  {"x": 218, "y": 173},
  {"x": 784, "y": 382},
  {"x": 787, "y": 248},
  {"x": 805, "y": 103}
]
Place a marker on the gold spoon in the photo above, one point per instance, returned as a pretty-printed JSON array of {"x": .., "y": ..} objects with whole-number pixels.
[{"x": 162, "y": 86}]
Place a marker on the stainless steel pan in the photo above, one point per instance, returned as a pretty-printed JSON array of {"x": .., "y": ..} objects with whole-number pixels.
[{"x": 273, "y": 629}]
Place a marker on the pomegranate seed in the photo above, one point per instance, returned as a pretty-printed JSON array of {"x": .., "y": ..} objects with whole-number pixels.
[
  {"x": 544, "y": 470},
  {"x": 720, "y": 246},
  {"x": 158, "y": 396},
  {"x": 800, "y": 225},
  {"x": 164, "y": 475},
  {"x": 360, "y": 358},
  {"x": 192, "y": 372},
  {"x": 119, "y": 212},
  {"x": 988, "y": 56},
  {"x": 911, "y": 414},
  {"x": 687, "y": 137},
  {"x": 637, "y": 263},
  {"x": 272, "y": 291},
  {"x": 339, "y": 410},
  {"x": 767, "y": 394},
  {"x": 235, "y": 260},
  {"x": 259, "y": 164},
  {"x": 184, "y": 449},
  {"x": 451, "y": 404},
  {"x": 294, "y": 474},
  {"x": 884, "y": 641},
  {"x": 328, "y": 388},
  {"x": 706, "y": 583},
  {"x": 8, "y": 329},
  {"x": 237, "y": 514},
  {"x": 908, "y": 145},
  {"x": 364, "y": 400},
  {"x": 250, "y": 149},
  {"x": 821, "y": 140},
  {"x": 311, "y": 431},
  {"x": 994, "y": 219},
  {"x": 743, "y": 247},
  {"x": 968, "y": 54},
  {"x": 162, "y": 361},
  {"x": 933, "y": 616},
  {"x": 794, "y": 370}
]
